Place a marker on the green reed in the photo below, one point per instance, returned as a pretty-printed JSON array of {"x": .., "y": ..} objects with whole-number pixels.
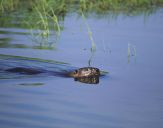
[
  {"x": 44, "y": 16},
  {"x": 8, "y": 5},
  {"x": 131, "y": 52},
  {"x": 60, "y": 7},
  {"x": 93, "y": 45},
  {"x": 126, "y": 6},
  {"x": 93, "y": 48}
]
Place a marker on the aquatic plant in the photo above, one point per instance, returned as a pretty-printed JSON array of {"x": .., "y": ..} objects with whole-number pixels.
[
  {"x": 125, "y": 6},
  {"x": 131, "y": 52},
  {"x": 8, "y": 5},
  {"x": 61, "y": 7},
  {"x": 93, "y": 48},
  {"x": 41, "y": 30},
  {"x": 42, "y": 15},
  {"x": 93, "y": 45}
]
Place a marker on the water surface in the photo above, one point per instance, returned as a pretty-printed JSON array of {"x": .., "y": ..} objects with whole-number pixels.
[{"x": 130, "y": 96}]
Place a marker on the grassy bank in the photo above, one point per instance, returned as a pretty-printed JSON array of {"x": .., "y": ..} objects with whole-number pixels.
[
  {"x": 57, "y": 9},
  {"x": 61, "y": 7},
  {"x": 43, "y": 17}
]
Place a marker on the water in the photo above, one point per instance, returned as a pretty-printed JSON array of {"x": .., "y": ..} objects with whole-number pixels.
[{"x": 130, "y": 96}]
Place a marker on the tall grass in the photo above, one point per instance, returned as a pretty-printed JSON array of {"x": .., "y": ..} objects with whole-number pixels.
[
  {"x": 61, "y": 7},
  {"x": 44, "y": 16},
  {"x": 129, "y": 6},
  {"x": 8, "y": 5}
]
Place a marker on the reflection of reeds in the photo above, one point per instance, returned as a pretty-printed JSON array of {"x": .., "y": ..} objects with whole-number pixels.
[{"x": 129, "y": 51}]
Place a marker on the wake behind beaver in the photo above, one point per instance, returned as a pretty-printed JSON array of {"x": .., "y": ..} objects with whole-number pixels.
[{"x": 29, "y": 66}]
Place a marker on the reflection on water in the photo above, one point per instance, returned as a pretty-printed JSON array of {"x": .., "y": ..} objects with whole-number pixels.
[
  {"x": 31, "y": 84},
  {"x": 88, "y": 80},
  {"x": 20, "y": 67},
  {"x": 6, "y": 44},
  {"x": 91, "y": 56},
  {"x": 6, "y": 40}
]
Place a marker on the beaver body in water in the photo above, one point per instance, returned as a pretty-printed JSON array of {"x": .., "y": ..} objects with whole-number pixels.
[
  {"x": 21, "y": 67},
  {"x": 23, "y": 70},
  {"x": 88, "y": 75},
  {"x": 81, "y": 72}
]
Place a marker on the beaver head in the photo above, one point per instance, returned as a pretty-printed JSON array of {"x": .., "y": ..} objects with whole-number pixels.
[{"x": 85, "y": 72}]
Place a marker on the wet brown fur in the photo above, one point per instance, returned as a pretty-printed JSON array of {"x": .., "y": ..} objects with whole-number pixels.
[{"x": 85, "y": 72}]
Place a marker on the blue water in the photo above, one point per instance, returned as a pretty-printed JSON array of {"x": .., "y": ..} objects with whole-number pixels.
[
  {"x": 41, "y": 67},
  {"x": 130, "y": 96}
]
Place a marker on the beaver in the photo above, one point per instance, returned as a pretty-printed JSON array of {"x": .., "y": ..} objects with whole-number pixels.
[
  {"x": 25, "y": 66},
  {"x": 88, "y": 75},
  {"x": 23, "y": 70},
  {"x": 78, "y": 73}
]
